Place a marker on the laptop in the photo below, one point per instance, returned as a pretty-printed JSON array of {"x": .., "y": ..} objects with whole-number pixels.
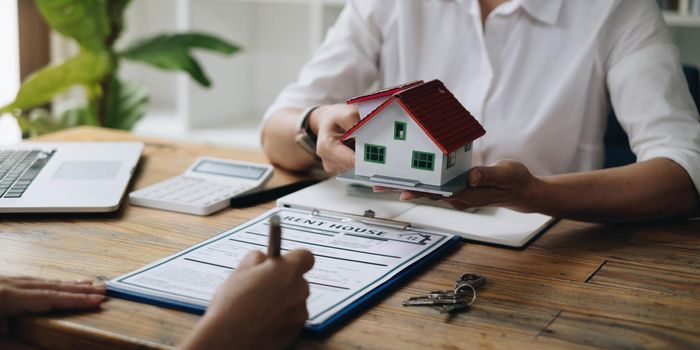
[{"x": 65, "y": 177}]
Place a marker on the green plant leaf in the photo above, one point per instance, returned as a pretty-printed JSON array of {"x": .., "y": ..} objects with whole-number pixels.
[
  {"x": 86, "y": 21},
  {"x": 74, "y": 117},
  {"x": 172, "y": 52},
  {"x": 40, "y": 122},
  {"x": 126, "y": 104},
  {"x": 86, "y": 68}
]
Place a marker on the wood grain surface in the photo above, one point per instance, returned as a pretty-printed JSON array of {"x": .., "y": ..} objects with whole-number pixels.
[{"x": 579, "y": 285}]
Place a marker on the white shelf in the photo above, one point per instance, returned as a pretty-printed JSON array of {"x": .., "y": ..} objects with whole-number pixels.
[{"x": 675, "y": 19}]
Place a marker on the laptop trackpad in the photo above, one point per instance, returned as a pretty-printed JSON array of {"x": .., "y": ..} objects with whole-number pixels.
[{"x": 87, "y": 170}]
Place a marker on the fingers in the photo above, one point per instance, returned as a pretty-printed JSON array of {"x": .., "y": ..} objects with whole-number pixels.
[
  {"x": 380, "y": 189},
  {"x": 349, "y": 118},
  {"x": 294, "y": 321},
  {"x": 345, "y": 157},
  {"x": 335, "y": 155},
  {"x": 500, "y": 175},
  {"x": 478, "y": 197},
  {"x": 335, "y": 121},
  {"x": 410, "y": 195},
  {"x": 85, "y": 287},
  {"x": 302, "y": 260},
  {"x": 480, "y": 176},
  {"x": 466, "y": 199},
  {"x": 16, "y": 279},
  {"x": 17, "y": 301},
  {"x": 297, "y": 315},
  {"x": 251, "y": 259}
]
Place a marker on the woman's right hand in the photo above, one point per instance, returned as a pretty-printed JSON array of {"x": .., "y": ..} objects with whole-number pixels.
[{"x": 330, "y": 122}]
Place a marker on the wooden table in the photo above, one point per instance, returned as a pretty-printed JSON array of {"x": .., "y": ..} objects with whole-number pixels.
[{"x": 579, "y": 285}]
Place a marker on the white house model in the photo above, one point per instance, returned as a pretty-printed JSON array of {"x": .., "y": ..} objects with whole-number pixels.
[{"x": 416, "y": 136}]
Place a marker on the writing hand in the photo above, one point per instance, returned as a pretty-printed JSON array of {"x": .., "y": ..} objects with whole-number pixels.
[{"x": 262, "y": 305}]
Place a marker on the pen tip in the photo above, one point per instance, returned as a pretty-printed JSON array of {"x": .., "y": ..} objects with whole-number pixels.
[{"x": 275, "y": 219}]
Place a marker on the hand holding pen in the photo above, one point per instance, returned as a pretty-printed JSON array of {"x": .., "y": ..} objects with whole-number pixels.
[{"x": 263, "y": 300}]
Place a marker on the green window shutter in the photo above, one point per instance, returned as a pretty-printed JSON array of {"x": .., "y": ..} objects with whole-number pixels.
[
  {"x": 375, "y": 153},
  {"x": 399, "y": 131},
  {"x": 423, "y": 160}
]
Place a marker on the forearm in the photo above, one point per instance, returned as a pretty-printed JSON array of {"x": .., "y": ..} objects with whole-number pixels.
[
  {"x": 278, "y": 139},
  {"x": 649, "y": 190}
]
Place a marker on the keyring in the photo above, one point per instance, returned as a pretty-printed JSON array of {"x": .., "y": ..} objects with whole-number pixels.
[{"x": 460, "y": 290}]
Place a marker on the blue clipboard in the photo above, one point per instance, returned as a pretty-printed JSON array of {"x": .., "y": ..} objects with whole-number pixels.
[{"x": 318, "y": 330}]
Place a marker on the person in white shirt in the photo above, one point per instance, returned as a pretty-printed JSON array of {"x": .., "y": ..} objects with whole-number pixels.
[{"x": 539, "y": 75}]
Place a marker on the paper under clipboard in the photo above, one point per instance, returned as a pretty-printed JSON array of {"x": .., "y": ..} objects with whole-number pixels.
[
  {"x": 357, "y": 259},
  {"x": 489, "y": 225}
]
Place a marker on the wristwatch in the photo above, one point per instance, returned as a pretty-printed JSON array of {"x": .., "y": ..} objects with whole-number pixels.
[{"x": 305, "y": 136}]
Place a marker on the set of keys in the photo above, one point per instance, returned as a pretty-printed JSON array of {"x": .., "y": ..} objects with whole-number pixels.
[{"x": 450, "y": 301}]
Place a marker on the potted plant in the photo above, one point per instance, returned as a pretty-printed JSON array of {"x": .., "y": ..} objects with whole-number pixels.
[{"x": 111, "y": 102}]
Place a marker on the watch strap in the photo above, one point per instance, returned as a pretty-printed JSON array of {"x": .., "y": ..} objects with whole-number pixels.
[{"x": 305, "y": 136}]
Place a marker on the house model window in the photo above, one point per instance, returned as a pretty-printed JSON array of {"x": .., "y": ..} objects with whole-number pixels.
[
  {"x": 423, "y": 160},
  {"x": 374, "y": 153},
  {"x": 399, "y": 131},
  {"x": 438, "y": 155},
  {"x": 451, "y": 159}
]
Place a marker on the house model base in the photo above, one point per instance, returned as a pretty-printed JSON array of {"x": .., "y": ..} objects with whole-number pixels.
[{"x": 447, "y": 190}]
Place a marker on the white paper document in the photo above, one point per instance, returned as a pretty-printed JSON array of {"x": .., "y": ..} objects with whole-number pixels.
[
  {"x": 353, "y": 257},
  {"x": 491, "y": 225}
]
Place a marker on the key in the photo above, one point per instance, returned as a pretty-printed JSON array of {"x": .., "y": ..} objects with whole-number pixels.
[
  {"x": 448, "y": 309},
  {"x": 463, "y": 294},
  {"x": 423, "y": 301},
  {"x": 449, "y": 301},
  {"x": 473, "y": 279}
]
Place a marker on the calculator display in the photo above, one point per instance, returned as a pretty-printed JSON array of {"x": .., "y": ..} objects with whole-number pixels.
[{"x": 229, "y": 169}]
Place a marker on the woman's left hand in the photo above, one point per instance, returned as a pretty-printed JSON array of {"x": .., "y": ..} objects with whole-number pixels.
[{"x": 29, "y": 295}]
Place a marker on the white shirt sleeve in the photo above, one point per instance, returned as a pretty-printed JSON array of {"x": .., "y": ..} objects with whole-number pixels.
[
  {"x": 648, "y": 90},
  {"x": 345, "y": 65}
]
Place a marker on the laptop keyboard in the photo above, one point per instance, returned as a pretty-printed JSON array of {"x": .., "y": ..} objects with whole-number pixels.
[{"x": 18, "y": 168}]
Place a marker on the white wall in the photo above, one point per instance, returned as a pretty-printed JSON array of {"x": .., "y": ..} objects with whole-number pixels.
[
  {"x": 143, "y": 19},
  {"x": 277, "y": 37},
  {"x": 9, "y": 68},
  {"x": 688, "y": 41}
]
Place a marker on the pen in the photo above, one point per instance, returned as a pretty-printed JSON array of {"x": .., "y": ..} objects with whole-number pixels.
[{"x": 275, "y": 243}]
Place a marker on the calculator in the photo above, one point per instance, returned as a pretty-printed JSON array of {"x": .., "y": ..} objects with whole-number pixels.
[{"x": 206, "y": 187}]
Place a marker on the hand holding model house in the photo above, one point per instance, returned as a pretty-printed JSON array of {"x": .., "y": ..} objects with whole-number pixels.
[{"x": 415, "y": 137}]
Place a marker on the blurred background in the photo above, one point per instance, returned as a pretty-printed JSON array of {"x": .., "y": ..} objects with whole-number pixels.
[{"x": 276, "y": 36}]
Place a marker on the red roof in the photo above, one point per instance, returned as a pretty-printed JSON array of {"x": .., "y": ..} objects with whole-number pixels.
[
  {"x": 448, "y": 124},
  {"x": 382, "y": 93}
]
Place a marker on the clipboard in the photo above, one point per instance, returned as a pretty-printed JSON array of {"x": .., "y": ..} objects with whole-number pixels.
[
  {"x": 337, "y": 316},
  {"x": 494, "y": 226}
]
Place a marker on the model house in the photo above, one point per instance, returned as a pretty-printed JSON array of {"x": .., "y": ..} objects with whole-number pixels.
[{"x": 412, "y": 135}]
